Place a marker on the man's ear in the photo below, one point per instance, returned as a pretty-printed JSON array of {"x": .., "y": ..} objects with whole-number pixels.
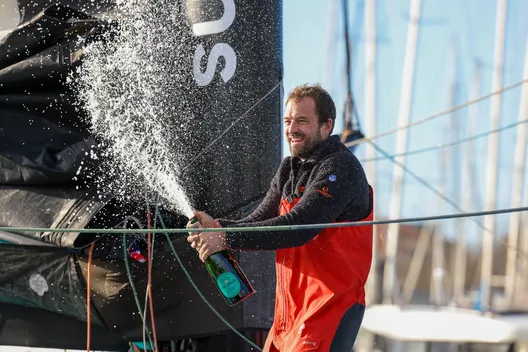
[{"x": 328, "y": 126}]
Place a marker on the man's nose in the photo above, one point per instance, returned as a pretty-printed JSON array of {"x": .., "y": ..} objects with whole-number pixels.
[{"x": 292, "y": 128}]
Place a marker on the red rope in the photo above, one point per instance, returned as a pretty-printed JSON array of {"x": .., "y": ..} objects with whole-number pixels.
[
  {"x": 149, "y": 283},
  {"x": 149, "y": 291},
  {"x": 88, "y": 298}
]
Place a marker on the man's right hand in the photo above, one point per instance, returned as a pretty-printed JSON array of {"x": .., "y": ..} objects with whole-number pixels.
[
  {"x": 191, "y": 225},
  {"x": 206, "y": 220}
]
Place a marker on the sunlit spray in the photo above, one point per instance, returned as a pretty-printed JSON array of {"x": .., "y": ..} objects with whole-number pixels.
[{"x": 127, "y": 85}]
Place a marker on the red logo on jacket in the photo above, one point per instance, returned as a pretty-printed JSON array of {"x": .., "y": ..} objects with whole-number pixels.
[{"x": 324, "y": 192}]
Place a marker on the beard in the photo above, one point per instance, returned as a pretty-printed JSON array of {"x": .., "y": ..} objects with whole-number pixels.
[{"x": 304, "y": 149}]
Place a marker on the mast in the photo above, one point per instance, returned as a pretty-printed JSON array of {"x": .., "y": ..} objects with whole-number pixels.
[
  {"x": 438, "y": 269},
  {"x": 436, "y": 294},
  {"x": 469, "y": 187},
  {"x": 348, "y": 112},
  {"x": 370, "y": 130},
  {"x": 328, "y": 74},
  {"x": 417, "y": 263},
  {"x": 518, "y": 175},
  {"x": 459, "y": 264},
  {"x": 493, "y": 157},
  {"x": 390, "y": 274},
  {"x": 351, "y": 127}
]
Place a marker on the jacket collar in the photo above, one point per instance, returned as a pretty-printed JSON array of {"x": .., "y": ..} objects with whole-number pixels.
[{"x": 330, "y": 145}]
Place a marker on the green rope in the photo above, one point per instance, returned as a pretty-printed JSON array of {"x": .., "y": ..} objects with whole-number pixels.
[
  {"x": 134, "y": 291},
  {"x": 269, "y": 228},
  {"x": 201, "y": 294}
]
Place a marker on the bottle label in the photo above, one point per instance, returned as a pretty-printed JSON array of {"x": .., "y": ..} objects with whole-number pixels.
[{"x": 228, "y": 284}]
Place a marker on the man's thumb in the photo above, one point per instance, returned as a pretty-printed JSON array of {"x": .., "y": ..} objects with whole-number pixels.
[{"x": 198, "y": 214}]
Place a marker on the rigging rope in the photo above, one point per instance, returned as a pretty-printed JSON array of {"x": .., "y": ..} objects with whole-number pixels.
[
  {"x": 438, "y": 193},
  {"x": 438, "y": 114},
  {"x": 232, "y": 125},
  {"x": 133, "y": 287},
  {"x": 268, "y": 228},
  {"x": 450, "y": 144}
]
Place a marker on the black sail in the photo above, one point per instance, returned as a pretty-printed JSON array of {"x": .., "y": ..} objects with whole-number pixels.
[{"x": 232, "y": 72}]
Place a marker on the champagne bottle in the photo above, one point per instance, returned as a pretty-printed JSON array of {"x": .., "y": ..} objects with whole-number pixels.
[{"x": 227, "y": 275}]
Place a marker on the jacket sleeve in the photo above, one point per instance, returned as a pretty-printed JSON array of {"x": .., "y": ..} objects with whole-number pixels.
[
  {"x": 268, "y": 208},
  {"x": 339, "y": 183}
]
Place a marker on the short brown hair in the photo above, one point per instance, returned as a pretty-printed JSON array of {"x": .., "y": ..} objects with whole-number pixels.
[{"x": 324, "y": 105}]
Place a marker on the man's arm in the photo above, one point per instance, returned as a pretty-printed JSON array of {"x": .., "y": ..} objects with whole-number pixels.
[
  {"x": 340, "y": 183},
  {"x": 269, "y": 207}
]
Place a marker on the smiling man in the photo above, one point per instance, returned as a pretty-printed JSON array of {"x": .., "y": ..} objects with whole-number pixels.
[{"x": 321, "y": 273}]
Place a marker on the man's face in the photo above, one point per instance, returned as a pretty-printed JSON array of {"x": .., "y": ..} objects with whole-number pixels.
[{"x": 302, "y": 128}]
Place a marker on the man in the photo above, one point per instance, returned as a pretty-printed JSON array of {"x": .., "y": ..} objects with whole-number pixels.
[{"x": 321, "y": 273}]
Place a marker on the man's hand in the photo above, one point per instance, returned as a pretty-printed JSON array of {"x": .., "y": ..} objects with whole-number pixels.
[
  {"x": 206, "y": 220},
  {"x": 206, "y": 243},
  {"x": 209, "y": 243}
]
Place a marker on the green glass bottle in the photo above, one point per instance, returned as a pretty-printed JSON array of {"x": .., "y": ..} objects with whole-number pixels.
[{"x": 227, "y": 275}]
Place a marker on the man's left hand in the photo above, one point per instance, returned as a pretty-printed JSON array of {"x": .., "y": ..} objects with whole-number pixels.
[{"x": 209, "y": 243}]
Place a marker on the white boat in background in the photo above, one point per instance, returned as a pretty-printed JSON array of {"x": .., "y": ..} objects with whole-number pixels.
[{"x": 430, "y": 328}]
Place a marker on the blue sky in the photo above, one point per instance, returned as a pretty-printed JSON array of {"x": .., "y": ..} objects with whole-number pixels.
[{"x": 471, "y": 25}]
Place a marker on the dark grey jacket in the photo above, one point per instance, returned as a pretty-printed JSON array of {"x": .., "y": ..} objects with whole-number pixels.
[{"x": 331, "y": 185}]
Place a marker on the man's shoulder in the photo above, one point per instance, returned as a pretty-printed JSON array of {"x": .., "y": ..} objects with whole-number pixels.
[
  {"x": 341, "y": 157},
  {"x": 343, "y": 164}
]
